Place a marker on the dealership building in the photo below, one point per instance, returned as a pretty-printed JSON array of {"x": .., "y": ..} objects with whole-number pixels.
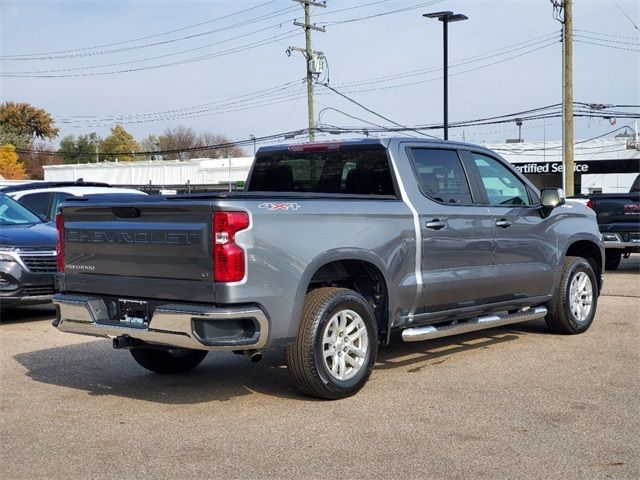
[
  {"x": 600, "y": 166},
  {"x": 603, "y": 165}
]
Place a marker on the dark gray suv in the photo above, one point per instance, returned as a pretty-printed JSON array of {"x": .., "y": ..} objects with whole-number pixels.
[{"x": 27, "y": 255}]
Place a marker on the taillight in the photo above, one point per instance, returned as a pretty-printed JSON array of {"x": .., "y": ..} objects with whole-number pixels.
[
  {"x": 315, "y": 146},
  {"x": 60, "y": 243},
  {"x": 228, "y": 258},
  {"x": 590, "y": 203}
]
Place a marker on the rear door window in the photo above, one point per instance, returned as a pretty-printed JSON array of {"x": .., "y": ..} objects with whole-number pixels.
[
  {"x": 441, "y": 176},
  {"x": 362, "y": 171},
  {"x": 37, "y": 202}
]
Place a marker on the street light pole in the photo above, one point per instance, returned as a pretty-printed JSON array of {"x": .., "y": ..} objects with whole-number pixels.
[
  {"x": 445, "y": 68},
  {"x": 253, "y": 137},
  {"x": 519, "y": 124},
  {"x": 446, "y": 18}
]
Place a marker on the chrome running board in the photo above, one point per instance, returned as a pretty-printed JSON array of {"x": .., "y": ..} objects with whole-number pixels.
[{"x": 418, "y": 334}]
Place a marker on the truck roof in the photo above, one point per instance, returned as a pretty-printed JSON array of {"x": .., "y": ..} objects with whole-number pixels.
[{"x": 362, "y": 142}]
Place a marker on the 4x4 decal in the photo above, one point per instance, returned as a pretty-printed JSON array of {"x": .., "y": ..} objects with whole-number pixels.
[{"x": 280, "y": 206}]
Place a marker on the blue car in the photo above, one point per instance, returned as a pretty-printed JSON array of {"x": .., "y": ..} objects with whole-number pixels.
[{"x": 28, "y": 263}]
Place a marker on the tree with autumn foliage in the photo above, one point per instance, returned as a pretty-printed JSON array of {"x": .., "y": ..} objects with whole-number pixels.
[
  {"x": 186, "y": 139},
  {"x": 10, "y": 166},
  {"x": 41, "y": 154},
  {"x": 119, "y": 144},
  {"x": 21, "y": 123}
]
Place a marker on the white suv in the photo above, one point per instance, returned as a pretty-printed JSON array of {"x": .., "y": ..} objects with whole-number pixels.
[{"x": 44, "y": 198}]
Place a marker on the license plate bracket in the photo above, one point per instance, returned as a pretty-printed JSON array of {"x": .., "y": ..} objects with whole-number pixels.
[{"x": 133, "y": 313}]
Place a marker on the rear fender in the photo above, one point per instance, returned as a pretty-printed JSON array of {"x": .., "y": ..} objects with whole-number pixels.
[{"x": 324, "y": 259}]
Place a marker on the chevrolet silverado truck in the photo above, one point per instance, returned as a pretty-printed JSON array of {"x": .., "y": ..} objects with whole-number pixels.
[
  {"x": 619, "y": 221},
  {"x": 330, "y": 249}
]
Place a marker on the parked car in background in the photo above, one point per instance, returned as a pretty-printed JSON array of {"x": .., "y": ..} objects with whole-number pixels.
[
  {"x": 44, "y": 198},
  {"x": 27, "y": 255},
  {"x": 619, "y": 222}
]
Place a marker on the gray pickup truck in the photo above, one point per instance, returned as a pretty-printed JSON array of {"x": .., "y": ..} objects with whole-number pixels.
[{"x": 331, "y": 248}]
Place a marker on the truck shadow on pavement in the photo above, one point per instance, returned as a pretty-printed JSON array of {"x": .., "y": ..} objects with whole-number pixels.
[
  {"x": 418, "y": 355},
  {"x": 26, "y": 314},
  {"x": 98, "y": 369}
]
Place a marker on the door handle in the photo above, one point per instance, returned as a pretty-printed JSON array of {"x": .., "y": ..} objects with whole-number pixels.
[
  {"x": 436, "y": 224},
  {"x": 504, "y": 223}
]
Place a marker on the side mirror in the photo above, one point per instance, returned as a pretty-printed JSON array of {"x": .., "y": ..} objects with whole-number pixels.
[{"x": 552, "y": 197}]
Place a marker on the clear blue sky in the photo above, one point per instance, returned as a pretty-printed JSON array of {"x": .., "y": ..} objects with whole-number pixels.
[{"x": 369, "y": 59}]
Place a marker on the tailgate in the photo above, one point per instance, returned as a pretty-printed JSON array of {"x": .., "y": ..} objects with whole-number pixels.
[
  {"x": 616, "y": 211},
  {"x": 151, "y": 249}
]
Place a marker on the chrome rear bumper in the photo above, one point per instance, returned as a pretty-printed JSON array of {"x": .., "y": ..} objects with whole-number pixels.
[
  {"x": 171, "y": 325},
  {"x": 616, "y": 240}
]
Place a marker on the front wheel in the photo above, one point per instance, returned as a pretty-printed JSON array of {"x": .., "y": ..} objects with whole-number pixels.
[
  {"x": 576, "y": 299},
  {"x": 334, "y": 352},
  {"x": 177, "y": 360}
]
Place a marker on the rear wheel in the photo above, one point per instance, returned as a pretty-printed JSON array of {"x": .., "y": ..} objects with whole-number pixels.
[
  {"x": 177, "y": 360},
  {"x": 334, "y": 352},
  {"x": 612, "y": 259},
  {"x": 576, "y": 300}
]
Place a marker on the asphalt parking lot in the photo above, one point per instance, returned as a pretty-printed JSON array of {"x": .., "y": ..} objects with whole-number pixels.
[{"x": 515, "y": 402}]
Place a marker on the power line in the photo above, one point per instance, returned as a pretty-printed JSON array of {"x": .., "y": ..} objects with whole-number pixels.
[
  {"x": 606, "y": 40},
  {"x": 464, "y": 61},
  {"x": 607, "y": 46},
  {"x": 499, "y": 119},
  {"x": 267, "y": 92},
  {"x": 237, "y": 49},
  {"x": 600, "y": 34},
  {"x": 331, "y": 12},
  {"x": 165, "y": 42},
  {"x": 371, "y": 111},
  {"x": 237, "y": 143},
  {"x": 14, "y": 56},
  {"x": 420, "y": 82},
  {"x": 212, "y": 105},
  {"x": 237, "y": 108},
  {"x": 140, "y": 60},
  {"x": 536, "y": 114},
  {"x": 625, "y": 14},
  {"x": 557, "y": 147},
  {"x": 216, "y": 105},
  {"x": 382, "y": 14},
  {"x": 346, "y": 115}
]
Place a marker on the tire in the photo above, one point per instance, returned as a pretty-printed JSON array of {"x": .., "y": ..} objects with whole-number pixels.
[
  {"x": 179, "y": 360},
  {"x": 340, "y": 322},
  {"x": 571, "y": 312},
  {"x": 612, "y": 259}
]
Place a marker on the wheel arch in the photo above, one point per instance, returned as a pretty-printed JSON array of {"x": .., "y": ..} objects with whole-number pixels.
[
  {"x": 592, "y": 252},
  {"x": 357, "y": 270}
]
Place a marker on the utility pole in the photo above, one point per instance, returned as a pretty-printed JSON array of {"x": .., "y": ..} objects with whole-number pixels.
[
  {"x": 567, "y": 137},
  {"x": 563, "y": 12},
  {"x": 310, "y": 56}
]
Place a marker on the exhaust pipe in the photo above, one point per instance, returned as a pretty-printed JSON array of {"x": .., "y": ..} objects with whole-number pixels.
[{"x": 254, "y": 355}]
